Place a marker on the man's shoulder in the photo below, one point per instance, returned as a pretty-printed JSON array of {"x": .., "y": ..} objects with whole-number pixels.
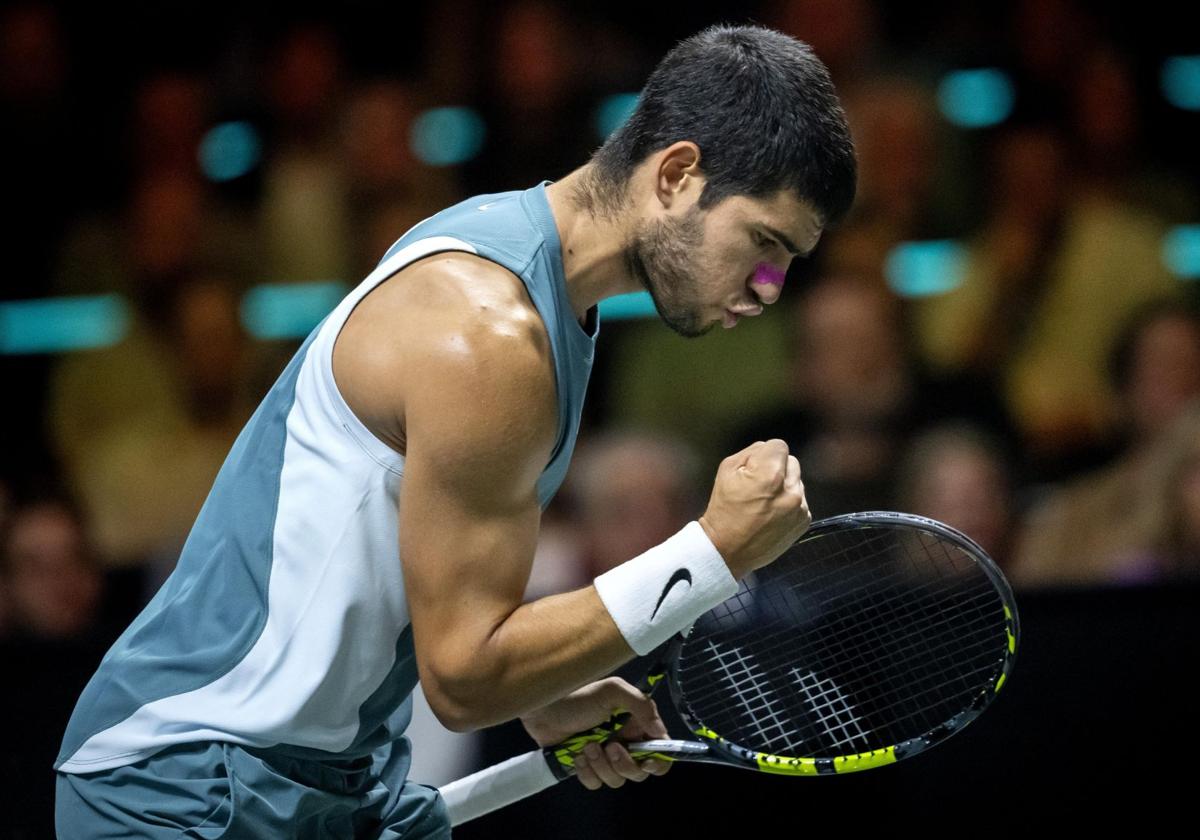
[
  {"x": 469, "y": 298},
  {"x": 454, "y": 332}
]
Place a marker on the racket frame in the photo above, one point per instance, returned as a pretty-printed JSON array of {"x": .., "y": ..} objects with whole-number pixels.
[
  {"x": 524, "y": 775},
  {"x": 726, "y": 752}
]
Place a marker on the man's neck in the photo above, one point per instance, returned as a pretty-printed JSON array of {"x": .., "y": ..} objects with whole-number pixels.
[{"x": 593, "y": 244}]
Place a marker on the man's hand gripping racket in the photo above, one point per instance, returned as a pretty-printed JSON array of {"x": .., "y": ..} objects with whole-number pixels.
[{"x": 875, "y": 636}]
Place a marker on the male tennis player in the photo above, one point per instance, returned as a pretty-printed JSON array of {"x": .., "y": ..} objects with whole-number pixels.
[{"x": 376, "y": 518}]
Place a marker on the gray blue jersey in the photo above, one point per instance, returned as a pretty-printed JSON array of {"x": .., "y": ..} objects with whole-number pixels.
[{"x": 285, "y": 623}]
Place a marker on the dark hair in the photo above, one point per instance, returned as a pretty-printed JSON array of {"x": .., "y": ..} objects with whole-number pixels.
[{"x": 762, "y": 109}]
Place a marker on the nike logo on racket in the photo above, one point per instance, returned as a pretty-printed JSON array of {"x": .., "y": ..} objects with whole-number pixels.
[{"x": 680, "y": 575}]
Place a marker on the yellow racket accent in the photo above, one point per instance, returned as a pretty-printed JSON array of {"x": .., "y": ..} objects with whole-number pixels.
[
  {"x": 784, "y": 766},
  {"x": 573, "y": 746},
  {"x": 865, "y": 761}
]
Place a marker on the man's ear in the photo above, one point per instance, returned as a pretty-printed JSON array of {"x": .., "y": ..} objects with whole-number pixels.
[{"x": 677, "y": 173}]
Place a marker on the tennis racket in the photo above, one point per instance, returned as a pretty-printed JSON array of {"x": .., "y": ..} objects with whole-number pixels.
[{"x": 874, "y": 637}]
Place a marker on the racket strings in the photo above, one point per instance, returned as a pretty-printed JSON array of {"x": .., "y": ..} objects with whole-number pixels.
[
  {"x": 750, "y": 686},
  {"x": 894, "y": 644},
  {"x": 902, "y": 709},
  {"x": 868, "y": 639}
]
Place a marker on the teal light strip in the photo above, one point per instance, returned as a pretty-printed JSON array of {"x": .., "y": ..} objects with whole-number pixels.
[
  {"x": 922, "y": 269},
  {"x": 289, "y": 310},
  {"x": 976, "y": 98},
  {"x": 57, "y": 325},
  {"x": 622, "y": 307},
  {"x": 229, "y": 150},
  {"x": 447, "y": 136},
  {"x": 1181, "y": 251},
  {"x": 613, "y": 112},
  {"x": 1180, "y": 81}
]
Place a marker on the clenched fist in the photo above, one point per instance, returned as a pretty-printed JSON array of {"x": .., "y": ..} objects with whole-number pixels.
[{"x": 757, "y": 509}]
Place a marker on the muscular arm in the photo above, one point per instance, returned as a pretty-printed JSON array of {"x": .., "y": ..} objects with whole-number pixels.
[{"x": 468, "y": 391}]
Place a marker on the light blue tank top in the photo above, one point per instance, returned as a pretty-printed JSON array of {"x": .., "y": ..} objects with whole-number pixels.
[{"x": 285, "y": 624}]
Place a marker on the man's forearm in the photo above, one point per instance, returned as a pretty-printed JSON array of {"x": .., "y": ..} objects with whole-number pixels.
[{"x": 538, "y": 653}]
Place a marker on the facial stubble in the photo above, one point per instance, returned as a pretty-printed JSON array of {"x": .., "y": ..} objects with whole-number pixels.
[{"x": 662, "y": 258}]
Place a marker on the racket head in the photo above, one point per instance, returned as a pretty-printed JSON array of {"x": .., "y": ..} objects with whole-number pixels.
[{"x": 876, "y": 636}]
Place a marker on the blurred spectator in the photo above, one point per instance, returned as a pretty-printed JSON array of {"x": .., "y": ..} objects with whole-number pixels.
[
  {"x": 908, "y": 174},
  {"x": 627, "y": 491},
  {"x": 853, "y": 391},
  {"x": 1155, "y": 367},
  {"x": 390, "y": 189},
  {"x": 1106, "y": 118},
  {"x": 171, "y": 112},
  {"x": 33, "y": 58},
  {"x": 1048, "y": 38},
  {"x": 1048, "y": 282},
  {"x": 700, "y": 390},
  {"x": 957, "y": 474},
  {"x": 843, "y": 33},
  {"x": 853, "y": 396},
  {"x": 38, "y": 149},
  {"x": 1103, "y": 527},
  {"x": 142, "y": 427},
  {"x": 304, "y": 211},
  {"x": 1178, "y": 552},
  {"x": 51, "y": 578},
  {"x": 538, "y": 118},
  {"x": 5, "y": 505},
  {"x": 170, "y": 223},
  {"x": 632, "y": 490}
]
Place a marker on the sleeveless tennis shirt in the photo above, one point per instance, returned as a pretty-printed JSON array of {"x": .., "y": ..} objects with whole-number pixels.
[{"x": 285, "y": 624}]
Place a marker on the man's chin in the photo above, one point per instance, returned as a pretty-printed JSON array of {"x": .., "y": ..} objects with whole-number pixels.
[{"x": 688, "y": 326}]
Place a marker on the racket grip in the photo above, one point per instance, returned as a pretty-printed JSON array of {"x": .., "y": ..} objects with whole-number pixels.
[{"x": 496, "y": 786}]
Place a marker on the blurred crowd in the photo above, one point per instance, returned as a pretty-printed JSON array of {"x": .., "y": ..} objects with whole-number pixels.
[{"x": 1045, "y": 403}]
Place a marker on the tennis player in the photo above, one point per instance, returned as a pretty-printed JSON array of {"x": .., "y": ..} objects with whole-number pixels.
[{"x": 376, "y": 519}]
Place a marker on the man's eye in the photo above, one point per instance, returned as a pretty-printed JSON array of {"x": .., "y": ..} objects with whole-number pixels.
[{"x": 763, "y": 241}]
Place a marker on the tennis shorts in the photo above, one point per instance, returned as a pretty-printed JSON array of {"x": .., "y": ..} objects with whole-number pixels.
[{"x": 211, "y": 790}]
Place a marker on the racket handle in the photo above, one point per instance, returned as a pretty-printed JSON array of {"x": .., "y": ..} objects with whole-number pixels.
[{"x": 496, "y": 786}]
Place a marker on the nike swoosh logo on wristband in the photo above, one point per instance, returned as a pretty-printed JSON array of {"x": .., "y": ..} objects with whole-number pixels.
[{"x": 680, "y": 575}]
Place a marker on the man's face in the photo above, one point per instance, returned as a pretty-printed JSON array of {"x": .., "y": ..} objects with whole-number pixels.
[{"x": 709, "y": 267}]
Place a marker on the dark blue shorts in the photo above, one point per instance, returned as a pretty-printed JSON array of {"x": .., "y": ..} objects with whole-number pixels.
[{"x": 210, "y": 790}]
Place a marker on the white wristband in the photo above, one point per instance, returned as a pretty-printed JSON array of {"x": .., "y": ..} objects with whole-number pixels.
[{"x": 655, "y": 595}]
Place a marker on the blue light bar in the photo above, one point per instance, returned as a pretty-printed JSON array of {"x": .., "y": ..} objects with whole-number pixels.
[
  {"x": 229, "y": 150},
  {"x": 1181, "y": 251},
  {"x": 1181, "y": 81},
  {"x": 288, "y": 310},
  {"x": 613, "y": 111},
  {"x": 632, "y": 305},
  {"x": 447, "y": 136},
  {"x": 976, "y": 98},
  {"x": 923, "y": 269},
  {"x": 55, "y": 325}
]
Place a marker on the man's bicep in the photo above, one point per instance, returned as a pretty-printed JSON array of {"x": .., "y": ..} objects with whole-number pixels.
[
  {"x": 466, "y": 540},
  {"x": 479, "y": 428}
]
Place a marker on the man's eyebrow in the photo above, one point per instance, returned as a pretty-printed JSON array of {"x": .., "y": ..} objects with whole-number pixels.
[{"x": 787, "y": 243}]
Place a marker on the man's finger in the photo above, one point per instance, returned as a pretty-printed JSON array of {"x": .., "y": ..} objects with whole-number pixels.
[
  {"x": 770, "y": 461},
  {"x": 599, "y": 762},
  {"x": 656, "y": 766},
  {"x": 624, "y": 764},
  {"x": 791, "y": 479},
  {"x": 739, "y": 459},
  {"x": 643, "y": 713},
  {"x": 586, "y": 775}
]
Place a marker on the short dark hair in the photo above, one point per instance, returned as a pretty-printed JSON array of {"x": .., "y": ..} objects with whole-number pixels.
[{"x": 762, "y": 109}]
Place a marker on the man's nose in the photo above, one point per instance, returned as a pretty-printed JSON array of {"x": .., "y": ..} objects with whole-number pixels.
[
  {"x": 767, "y": 282},
  {"x": 766, "y": 292}
]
